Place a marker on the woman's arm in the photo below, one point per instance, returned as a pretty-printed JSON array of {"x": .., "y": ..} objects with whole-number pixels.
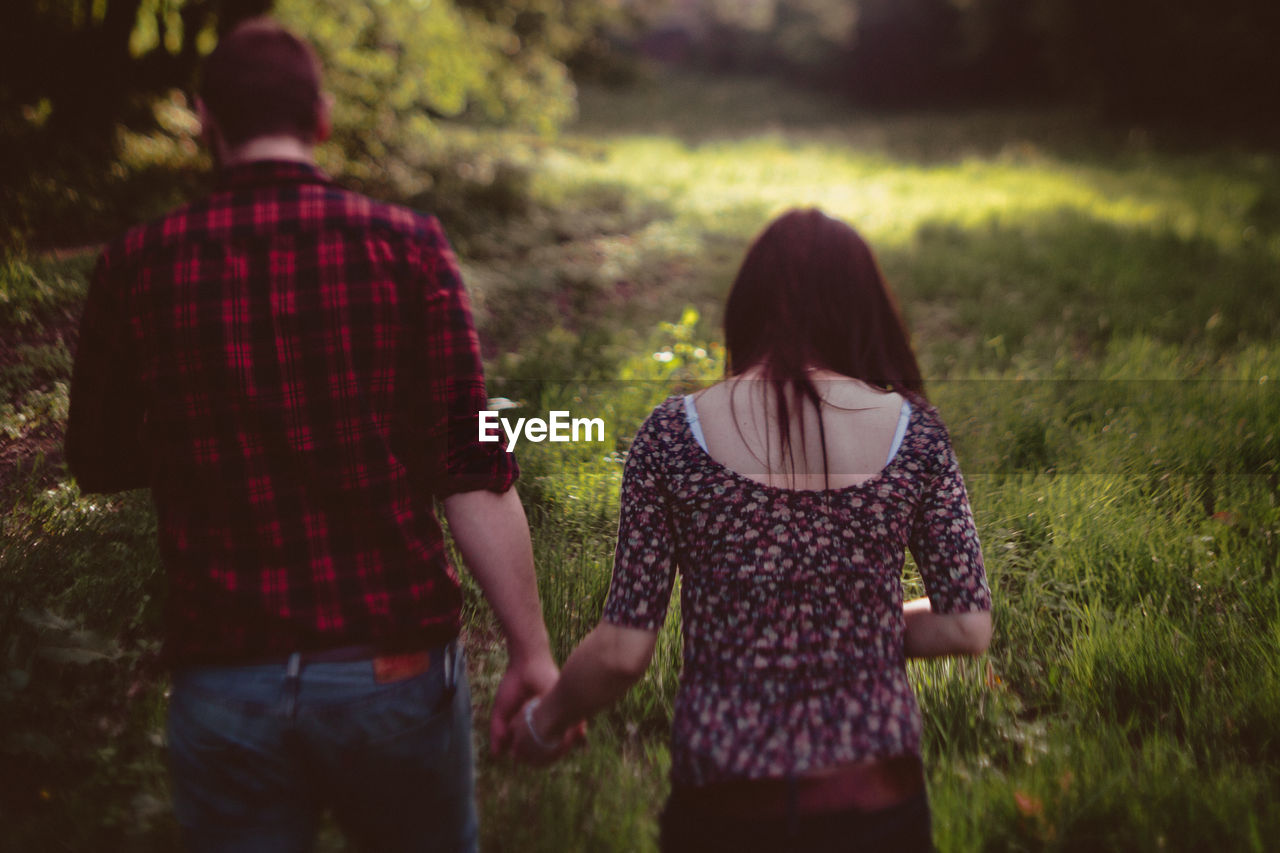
[
  {"x": 618, "y": 651},
  {"x": 931, "y": 635},
  {"x": 598, "y": 673},
  {"x": 944, "y": 541}
]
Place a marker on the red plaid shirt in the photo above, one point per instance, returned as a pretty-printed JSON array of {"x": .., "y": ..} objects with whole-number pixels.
[{"x": 293, "y": 370}]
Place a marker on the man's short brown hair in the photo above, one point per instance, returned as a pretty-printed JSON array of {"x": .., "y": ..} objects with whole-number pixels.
[{"x": 262, "y": 80}]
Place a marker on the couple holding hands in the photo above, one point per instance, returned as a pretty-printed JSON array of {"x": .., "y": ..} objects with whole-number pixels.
[{"x": 292, "y": 369}]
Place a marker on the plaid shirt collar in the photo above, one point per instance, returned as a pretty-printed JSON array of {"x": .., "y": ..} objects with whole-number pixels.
[{"x": 259, "y": 173}]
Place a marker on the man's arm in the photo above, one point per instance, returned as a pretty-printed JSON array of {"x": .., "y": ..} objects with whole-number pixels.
[
  {"x": 474, "y": 481},
  {"x": 104, "y": 426},
  {"x": 492, "y": 533}
]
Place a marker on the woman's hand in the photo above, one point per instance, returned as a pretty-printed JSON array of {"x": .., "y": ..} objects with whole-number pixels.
[
  {"x": 533, "y": 743},
  {"x": 930, "y": 634},
  {"x": 598, "y": 672}
]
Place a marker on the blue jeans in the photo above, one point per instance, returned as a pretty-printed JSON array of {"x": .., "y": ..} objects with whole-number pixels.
[{"x": 257, "y": 753}]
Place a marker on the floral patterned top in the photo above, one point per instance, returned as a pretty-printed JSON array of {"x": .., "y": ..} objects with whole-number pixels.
[{"x": 791, "y": 599}]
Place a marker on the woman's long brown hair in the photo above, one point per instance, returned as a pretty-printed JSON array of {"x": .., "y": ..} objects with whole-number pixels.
[{"x": 810, "y": 294}]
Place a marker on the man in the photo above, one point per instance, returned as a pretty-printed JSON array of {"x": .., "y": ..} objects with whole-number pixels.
[{"x": 292, "y": 369}]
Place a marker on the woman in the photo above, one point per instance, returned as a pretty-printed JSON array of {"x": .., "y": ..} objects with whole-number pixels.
[{"x": 787, "y": 495}]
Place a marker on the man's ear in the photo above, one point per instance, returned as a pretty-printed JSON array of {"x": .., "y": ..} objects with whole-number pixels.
[
  {"x": 324, "y": 118},
  {"x": 209, "y": 130},
  {"x": 206, "y": 119}
]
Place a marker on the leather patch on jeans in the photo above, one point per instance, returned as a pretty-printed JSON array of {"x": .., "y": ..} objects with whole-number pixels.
[{"x": 389, "y": 668}]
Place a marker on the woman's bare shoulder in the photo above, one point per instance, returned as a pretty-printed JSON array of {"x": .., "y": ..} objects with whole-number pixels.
[{"x": 842, "y": 392}]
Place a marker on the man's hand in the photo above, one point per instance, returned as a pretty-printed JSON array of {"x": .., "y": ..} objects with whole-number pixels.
[{"x": 522, "y": 682}]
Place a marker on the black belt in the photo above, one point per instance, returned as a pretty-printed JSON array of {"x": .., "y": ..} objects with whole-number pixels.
[
  {"x": 387, "y": 666},
  {"x": 340, "y": 654}
]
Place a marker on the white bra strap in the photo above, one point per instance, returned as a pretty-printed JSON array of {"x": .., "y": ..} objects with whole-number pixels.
[
  {"x": 695, "y": 425},
  {"x": 903, "y": 418}
]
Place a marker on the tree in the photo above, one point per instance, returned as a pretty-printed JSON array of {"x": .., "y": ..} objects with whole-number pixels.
[
  {"x": 395, "y": 68},
  {"x": 404, "y": 62},
  {"x": 1194, "y": 61}
]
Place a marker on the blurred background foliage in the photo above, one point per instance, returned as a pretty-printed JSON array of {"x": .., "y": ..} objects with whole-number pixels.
[
  {"x": 80, "y": 63},
  {"x": 74, "y": 72},
  {"x": 1137, "y": 59},
  {"x": 77, "y": 76},
  {"x": 396, "y": 65}
]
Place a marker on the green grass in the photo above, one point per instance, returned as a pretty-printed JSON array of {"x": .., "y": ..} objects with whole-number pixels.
[{"x": 1096, "y": 315}]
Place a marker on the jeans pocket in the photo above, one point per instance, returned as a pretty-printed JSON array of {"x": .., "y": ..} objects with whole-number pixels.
[
  {"x": 417, "y": 707},
  {"x": 405, "y": 769},
  {"x": 225, "y": 758},
  {"x": 354, "y": 718}
]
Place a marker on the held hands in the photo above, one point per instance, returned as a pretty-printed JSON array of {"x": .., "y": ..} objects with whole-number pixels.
[
  {"x": 523, "y": 681},
  {"x": 598, "y": 672},
  {"x": 534, "y": 744},
  {"x": 523, "y": 685}
]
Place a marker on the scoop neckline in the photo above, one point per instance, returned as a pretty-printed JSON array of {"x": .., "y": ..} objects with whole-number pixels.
[{"x": 687, "y": 431}]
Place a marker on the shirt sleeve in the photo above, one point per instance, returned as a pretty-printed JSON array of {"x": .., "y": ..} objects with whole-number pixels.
[
  {"x": 644, "y": 562},
  {"x": 104, "y": 443},
  {"x": 455, "y": 389},
  {"x": 944, "y": 541}
]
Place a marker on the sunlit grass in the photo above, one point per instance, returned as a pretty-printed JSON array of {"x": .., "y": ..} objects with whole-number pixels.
[
  {"x": 1010, "y": 238},
  {"x": 857, "y": 170},
  {"x": 889, "y": 200}
]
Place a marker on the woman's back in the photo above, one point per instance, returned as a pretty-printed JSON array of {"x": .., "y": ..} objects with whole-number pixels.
[
  {"x": 860, "y": 426},
  {"x": 791, "y": 599}
]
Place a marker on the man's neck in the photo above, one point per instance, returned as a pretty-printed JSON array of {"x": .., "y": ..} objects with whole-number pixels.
[{"x": 270, "y": 148}]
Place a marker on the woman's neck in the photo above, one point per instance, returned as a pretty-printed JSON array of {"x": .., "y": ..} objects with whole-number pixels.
[{"x": 816, "y": 373}]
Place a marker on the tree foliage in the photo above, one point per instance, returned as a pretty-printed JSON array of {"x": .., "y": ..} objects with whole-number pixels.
[
  {"x": 1200, "y": 60},
  {"x": 395, "y": 65},
  {"x": 1194, "y": 60},
  {"x": 400, "y": 66},
  {"x": 72, "y": 72}
]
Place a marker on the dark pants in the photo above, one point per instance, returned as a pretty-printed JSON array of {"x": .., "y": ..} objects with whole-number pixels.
[{"x": 904, "y": 828}]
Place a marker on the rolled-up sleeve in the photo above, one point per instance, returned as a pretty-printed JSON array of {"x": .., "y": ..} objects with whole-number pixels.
[
  {"x": 944, "y": 541},
  {"x": 454, "y": 384},
  {"x": 644, "y": 562}
]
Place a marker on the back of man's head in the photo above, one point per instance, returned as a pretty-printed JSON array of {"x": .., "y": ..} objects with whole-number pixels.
[{"x": 262, "y": 80}]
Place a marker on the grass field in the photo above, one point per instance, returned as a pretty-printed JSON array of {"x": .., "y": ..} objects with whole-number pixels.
[{"x": 1097, "y": 314}]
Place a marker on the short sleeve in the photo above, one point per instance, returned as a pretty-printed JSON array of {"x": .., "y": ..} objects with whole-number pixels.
[
  {"x": 944, "y": 540},
  {"x": 644, "y": 561}
]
